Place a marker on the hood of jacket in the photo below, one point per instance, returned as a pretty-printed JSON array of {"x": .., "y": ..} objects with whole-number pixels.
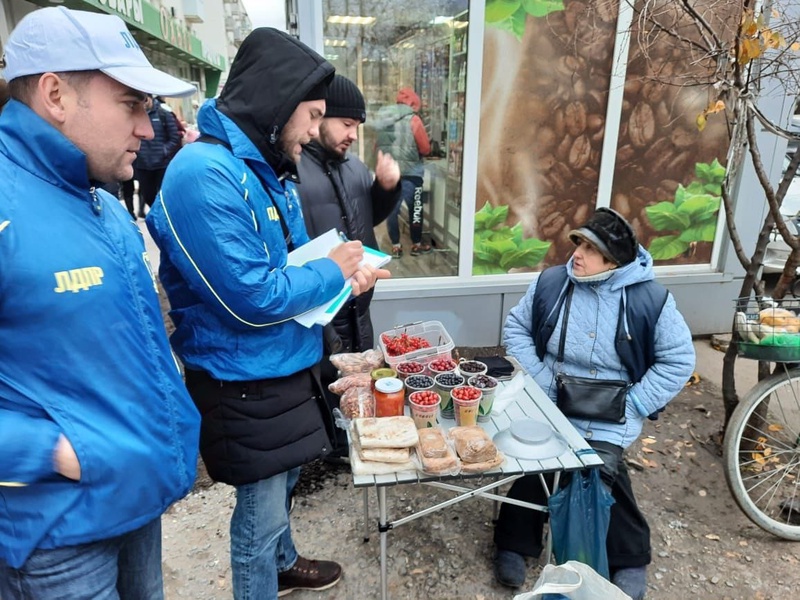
[
  {"x": 409, "y": 97},
  {"x": 271, "y": 74},
  {"x": 641, "y": 269}
]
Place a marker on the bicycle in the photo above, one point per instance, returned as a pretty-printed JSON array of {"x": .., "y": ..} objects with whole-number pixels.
[{"x": 762, "y": 442}]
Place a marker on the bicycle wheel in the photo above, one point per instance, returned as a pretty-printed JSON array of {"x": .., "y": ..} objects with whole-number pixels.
[{"x": 762, "y": 454}]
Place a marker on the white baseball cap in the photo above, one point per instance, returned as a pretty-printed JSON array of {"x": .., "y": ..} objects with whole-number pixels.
[{"x": 57, "y": 39}]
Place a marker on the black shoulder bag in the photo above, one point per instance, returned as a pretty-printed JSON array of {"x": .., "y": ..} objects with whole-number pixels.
[{"x": 586, "y": 398}]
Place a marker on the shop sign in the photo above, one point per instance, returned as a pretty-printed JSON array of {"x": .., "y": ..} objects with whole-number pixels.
[
  {"x": 174, "y": 32},
  {"x": 128, "y": 8}
]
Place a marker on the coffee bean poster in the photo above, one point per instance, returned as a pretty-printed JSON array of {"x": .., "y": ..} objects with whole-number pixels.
[{"x": 547, "y": 69}]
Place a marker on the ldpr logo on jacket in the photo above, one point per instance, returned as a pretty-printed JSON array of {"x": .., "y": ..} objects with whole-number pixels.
[{"x": 78, "y": 280}]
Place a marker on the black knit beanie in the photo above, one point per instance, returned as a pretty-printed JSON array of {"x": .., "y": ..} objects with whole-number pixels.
[
  {"x": 611, "y": 234},
  {"x": 345, "y": 100}
]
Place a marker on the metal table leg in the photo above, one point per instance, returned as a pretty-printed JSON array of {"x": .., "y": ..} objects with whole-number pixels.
[
  {"x": 383, "y": 532},
  {"x": 548, "y": 549},
  {"x": 366, "y": 515}
]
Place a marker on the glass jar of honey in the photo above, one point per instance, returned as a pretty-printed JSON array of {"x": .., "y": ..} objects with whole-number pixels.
[{"x": 389, "y": 397}]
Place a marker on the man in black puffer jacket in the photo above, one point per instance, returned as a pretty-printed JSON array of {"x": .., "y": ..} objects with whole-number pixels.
[
  {"x": 338, "y": 191},
  {"x": 154, "y": 155}
]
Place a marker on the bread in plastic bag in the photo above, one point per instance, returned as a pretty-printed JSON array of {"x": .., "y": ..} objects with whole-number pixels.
[
  {"x": 341, "y": 385},
  {"x": 349, "y": 363},
  {"x": 357, "y": 402}
]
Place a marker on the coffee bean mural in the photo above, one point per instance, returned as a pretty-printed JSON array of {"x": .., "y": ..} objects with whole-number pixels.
[{"x": 543, "y": 113}]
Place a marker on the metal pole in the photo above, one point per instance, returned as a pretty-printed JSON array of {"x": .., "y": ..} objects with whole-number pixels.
[{"x": 383, "y": 532}]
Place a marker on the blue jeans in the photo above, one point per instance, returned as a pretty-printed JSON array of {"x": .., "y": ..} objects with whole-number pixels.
[
  {"x": 127, "y": 567},
  {"x": 261, "y": 538},
  {"x": 411, "y": 194}
]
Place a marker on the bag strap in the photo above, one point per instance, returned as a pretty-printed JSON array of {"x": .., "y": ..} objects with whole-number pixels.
[
  {"x": 287, "y": 235},
  {"x": 567, "y": 303}
]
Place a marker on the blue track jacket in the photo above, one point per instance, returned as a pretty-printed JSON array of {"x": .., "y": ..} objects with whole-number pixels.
[
  {"x": 223, "y": 260},
  {"x": 83, "y": 352}
]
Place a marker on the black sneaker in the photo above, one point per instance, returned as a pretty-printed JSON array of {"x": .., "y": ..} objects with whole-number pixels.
[{"x": 307, "y": 574}]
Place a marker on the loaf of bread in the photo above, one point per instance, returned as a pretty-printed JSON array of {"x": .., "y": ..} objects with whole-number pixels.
[
  {"x": 780, "y": 317},
  {"x": 473, "y": 444},
  {"x": 432, "y": 443},
  {"x": 444, "y": 465},
  {"x": 369, "y": 467},
  {"x": 386, "y": 432},
  {"x": 389, "y": 455},
  {"x": 482, "y": 467}
]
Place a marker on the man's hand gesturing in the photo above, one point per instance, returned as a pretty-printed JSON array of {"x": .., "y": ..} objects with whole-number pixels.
[{"x": 387, "y": 171}]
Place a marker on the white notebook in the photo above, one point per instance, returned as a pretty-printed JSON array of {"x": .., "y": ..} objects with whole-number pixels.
[{"x": 320, "y": 247}]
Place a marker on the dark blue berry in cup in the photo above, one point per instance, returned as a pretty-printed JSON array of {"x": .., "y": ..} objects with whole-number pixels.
[
  {"x": 419, "y": 381},
  {"x": 449, "y": 379}
]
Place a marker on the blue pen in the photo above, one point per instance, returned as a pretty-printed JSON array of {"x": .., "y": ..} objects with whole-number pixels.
[{"x": 343, "y": 237}]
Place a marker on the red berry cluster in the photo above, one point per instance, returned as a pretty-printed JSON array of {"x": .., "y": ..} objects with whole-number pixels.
[
  {"x": 424, "y": 398},
  {"x": 410, "y": 367},
  {"x": 466, "y": 393},
  {"x": 442, "y": 365},
  {"x": 403, "y": 344}
]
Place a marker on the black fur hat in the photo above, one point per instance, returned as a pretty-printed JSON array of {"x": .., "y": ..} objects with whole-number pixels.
[{"x": 611, "y": 234}]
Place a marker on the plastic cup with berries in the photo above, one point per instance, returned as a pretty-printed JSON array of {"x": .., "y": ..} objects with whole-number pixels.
[
  {"x": 425, "y": 408},
  {"x": 418, "y": 383},
  {"x": 442, "y": 365},
  {"x": 487, "y": 385},
  {"x": 409, "y": 367},
  {"x": 470, "y": 368},
  {"x": 466, "y": 400},
  {"x": 444, "y": 384}
]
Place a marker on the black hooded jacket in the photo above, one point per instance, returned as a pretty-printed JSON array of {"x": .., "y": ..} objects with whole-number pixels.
[
  {"x": 270, "y": 75},
  {"x": 341, "y": 193}
]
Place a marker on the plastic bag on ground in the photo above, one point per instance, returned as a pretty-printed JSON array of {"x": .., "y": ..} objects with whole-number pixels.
[{"x": 574, "y": 581}]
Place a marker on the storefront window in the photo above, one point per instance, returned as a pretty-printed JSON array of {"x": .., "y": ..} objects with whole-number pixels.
[{"x": 409, "y": 60}]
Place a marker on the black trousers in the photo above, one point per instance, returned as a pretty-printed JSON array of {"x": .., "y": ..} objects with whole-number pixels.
[
  {"x": 628, "y": 542},
  {"x": 149, "y": 185}
]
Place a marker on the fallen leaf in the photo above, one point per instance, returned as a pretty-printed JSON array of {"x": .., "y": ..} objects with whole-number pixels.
[
  {"x": 416, "y": 571},
  {"x": 649, "y": 463},
  {"x": 712, "y": 536},
  {"x": 775, "y": 427},
  {"x": 743, "y": 542},
  {"x": 647, "y": 440},
  {"x": 645, "y": 450}
]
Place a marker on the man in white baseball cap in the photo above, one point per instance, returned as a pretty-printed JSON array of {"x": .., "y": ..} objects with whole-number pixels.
[{"x": 98, "y": 436}]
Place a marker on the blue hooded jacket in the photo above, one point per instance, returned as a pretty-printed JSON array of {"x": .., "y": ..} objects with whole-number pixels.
[
  {"x": 223, "y": 260},
  {"x": 83, "y": 353},
  {"x": 590, "y": 348}
]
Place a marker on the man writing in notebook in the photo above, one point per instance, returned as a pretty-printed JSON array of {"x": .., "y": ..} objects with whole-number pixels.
[{"x": 227, "y": 217}]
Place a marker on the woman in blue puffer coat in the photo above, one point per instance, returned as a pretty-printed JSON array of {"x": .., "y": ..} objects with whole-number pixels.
[{"x": 621, "y": 325}]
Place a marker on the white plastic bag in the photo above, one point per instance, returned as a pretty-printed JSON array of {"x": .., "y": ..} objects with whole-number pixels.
[
  {"x": 575, "y": 581},
  {"x": 508, "y": 392}
]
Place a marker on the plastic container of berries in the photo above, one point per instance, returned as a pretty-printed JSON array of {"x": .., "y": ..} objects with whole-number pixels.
[{"x": 419, "y": 342}]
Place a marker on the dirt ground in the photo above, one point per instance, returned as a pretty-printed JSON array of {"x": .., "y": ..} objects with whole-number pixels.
[{"x": 703, "y": 546}]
